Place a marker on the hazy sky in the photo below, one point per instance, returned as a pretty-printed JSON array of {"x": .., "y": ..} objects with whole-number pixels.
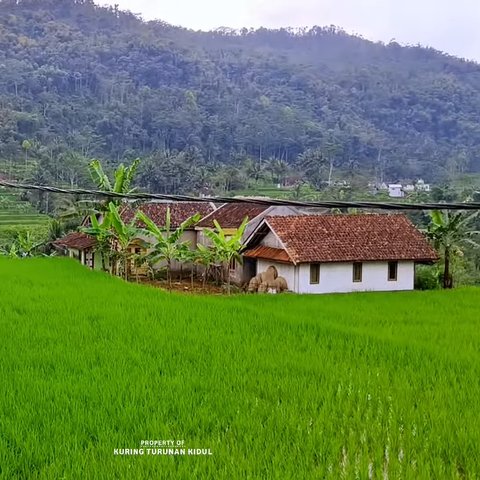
[{"x": 449, "y": 25}]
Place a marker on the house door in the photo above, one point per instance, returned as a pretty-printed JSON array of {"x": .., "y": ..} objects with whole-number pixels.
[
  {"x": 90, "y": 259},
  {"x": 249, "y": 269}
]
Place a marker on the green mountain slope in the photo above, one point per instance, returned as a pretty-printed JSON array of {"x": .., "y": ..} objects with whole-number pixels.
[{"x": 79, "y": 81}]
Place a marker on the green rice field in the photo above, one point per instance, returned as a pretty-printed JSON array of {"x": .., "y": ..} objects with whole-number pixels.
[
  {"x": 19, "y": 216},
  {"x": 358, "y": 386}
]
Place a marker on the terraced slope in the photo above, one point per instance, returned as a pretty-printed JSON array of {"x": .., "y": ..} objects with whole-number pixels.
[{"x": 17, "y": 215}]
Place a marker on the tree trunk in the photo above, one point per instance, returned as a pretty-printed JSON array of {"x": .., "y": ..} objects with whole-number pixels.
[
  {"x": 226, "y": 275},
  {"x": 447, "y": 277},
  {"x": 205, "y": 273},
  {"x": 169, "y": 275},
  {"x": 330, "y": 173}
]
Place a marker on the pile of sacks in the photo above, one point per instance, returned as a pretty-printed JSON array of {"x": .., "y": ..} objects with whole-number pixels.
[{"x": 268, "y": 282}]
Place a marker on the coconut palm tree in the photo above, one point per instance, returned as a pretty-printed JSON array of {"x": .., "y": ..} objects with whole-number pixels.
[
  {"x": 450, "y": 232},
  {"x": 278, "y": 169}
]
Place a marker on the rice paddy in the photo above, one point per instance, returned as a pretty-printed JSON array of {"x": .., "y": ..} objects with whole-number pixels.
[
  {"x": 19, "y": 216},
  {"x": 371, "y": 385}
]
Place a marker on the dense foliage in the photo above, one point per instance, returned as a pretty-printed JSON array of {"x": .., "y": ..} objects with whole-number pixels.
[{"x": 78, "y": 81}]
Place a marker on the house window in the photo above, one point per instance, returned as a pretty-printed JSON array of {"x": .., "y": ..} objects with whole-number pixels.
[
  {"x": 314, "y": 273},
  {"x": 357, "y": 272},
  {"x": 392, "y": 271},
  {"x": 233, "y": 264}
]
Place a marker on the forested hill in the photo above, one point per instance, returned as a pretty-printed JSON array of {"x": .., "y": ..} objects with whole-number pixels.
[{"x": 78, "y": 81}]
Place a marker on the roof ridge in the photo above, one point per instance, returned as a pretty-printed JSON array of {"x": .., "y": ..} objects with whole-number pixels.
[{"x": 366, "y": 237}]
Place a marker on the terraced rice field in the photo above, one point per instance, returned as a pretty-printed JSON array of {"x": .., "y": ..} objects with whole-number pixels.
[
  {"x": 18, "y": 216},
  {"x": 371, "y": 385}
]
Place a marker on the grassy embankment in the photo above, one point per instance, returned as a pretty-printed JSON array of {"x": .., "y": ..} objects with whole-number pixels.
[{"x": 278, "y": 387}]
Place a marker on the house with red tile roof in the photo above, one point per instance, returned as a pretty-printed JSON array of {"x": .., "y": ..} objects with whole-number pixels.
[
  {"x": 179, "y": 212},
  {"x": 82, "y": 247},
  {"x": 339, "y": 253}
]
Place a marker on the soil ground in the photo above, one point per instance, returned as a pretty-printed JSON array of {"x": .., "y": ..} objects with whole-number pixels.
[{"x": 186, "y": 286}]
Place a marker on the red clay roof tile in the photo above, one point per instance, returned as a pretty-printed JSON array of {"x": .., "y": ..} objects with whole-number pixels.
[
  {"x": 231, "y": 215},
  {"x": 343, "y": 238},
  {"x": 179, "y": 211},
  {"x": 76, "y": 240}
]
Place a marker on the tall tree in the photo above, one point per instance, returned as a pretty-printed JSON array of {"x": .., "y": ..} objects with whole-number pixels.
[{"x": 449, "y": 233}]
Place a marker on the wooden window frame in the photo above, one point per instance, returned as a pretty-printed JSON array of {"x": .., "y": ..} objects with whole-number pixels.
[
  {"x": 354, "y": 266},
  {"x": 315, "y": 281},
  {"x": 395, "y": 278}
]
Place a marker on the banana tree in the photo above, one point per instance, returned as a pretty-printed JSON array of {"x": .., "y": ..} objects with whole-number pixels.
[
  {"x": 188, "y": 256},
  {"x": 24, "y": 246},
  {"x": 123, "y": 234},
  {"x": 12, "y": 251},
  {"x": 450, "y": 232},
  {"x": 122, "y": 182},
  {"x": 205, "y": 257},
  {"x": 226, "y": 247},
  {"x": 101, "y": 230},
  {"x": 167, "y": 246}
]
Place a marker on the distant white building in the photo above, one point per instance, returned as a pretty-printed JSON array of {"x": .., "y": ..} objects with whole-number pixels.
[
  {"x": 395, "y": 190},
  {"x": 421, "y": 186}
]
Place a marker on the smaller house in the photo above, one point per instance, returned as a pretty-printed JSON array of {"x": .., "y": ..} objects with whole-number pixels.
[
  {"x": 80, "y": 246},
  {"x": 339, "y": 253}
]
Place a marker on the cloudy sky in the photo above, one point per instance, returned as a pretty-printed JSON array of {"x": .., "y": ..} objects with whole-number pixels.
[{"x": 449, "y": 25}]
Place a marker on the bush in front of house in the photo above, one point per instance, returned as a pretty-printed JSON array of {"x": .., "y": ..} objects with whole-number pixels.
[{"x": 427, "y": 277}]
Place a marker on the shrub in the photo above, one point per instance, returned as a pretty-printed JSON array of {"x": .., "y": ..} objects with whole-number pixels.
[{"x": 427, "y": 277}]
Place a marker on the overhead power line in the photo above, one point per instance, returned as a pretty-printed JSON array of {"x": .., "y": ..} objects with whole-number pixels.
[{"x": 259, "y": 201}]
